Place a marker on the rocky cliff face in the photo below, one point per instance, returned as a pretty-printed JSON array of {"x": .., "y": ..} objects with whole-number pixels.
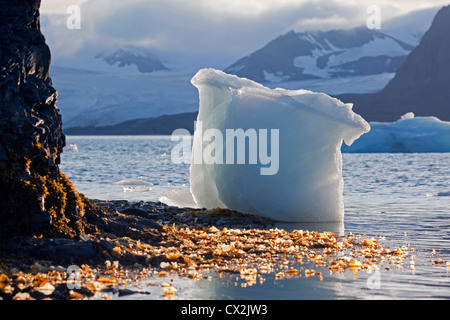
[
  {"x": 35, "y": 197},
  {"x": 421, "y": 85}
]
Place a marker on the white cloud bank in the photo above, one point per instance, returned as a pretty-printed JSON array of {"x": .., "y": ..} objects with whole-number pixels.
[{"x": 215, "y": 30}]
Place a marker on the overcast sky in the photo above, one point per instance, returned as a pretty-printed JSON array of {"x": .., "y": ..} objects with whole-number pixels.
[{"x": 227, "y": 29}]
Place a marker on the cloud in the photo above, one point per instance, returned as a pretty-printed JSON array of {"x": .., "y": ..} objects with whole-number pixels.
[{"x": 221, "y": 30}]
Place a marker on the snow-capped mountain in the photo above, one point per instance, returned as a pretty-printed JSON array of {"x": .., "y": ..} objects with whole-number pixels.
[
  {"x": 145, "y": 61},
  {"x": 329, "y": 54},
  {"x": 336, "y": 54}
]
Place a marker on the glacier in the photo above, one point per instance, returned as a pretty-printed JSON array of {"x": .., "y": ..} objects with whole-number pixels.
[
  {"x": 406, "y": 135},
  {"x": 308, "y": 185}
]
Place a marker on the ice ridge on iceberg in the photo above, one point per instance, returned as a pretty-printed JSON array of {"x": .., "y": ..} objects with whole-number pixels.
[{"x": 307, "y": 185}]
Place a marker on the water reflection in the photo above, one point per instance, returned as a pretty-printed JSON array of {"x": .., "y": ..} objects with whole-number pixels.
[
  {"x": 298, "y": 288},
  {"x": 335, "y": 227},
  {"x": 215, "y": 286}
]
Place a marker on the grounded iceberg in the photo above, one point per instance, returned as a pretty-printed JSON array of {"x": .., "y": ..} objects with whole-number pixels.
[
  {"x": 275, "y": 153},
  {"x": 408, "y": 134}
]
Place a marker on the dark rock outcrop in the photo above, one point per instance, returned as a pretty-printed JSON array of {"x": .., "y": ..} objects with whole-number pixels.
[
  {"x": 35, "y": 197},
  {"x": 421, "y": 85}
]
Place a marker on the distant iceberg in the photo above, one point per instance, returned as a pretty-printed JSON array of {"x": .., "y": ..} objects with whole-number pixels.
[
  {"x": 408, "y": 134},
  {"x": 306, "y": 133}
]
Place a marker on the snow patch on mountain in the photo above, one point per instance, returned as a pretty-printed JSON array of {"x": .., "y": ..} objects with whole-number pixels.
[{"x": 325, "y": 61}]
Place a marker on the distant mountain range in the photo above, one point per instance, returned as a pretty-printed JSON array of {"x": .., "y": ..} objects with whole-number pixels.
[
  {"x": 131, "y": 84},
  {"x": 336, "y": 53},
  {"x": 421, "y": 85},
  {"x": 330, "y": 54}
]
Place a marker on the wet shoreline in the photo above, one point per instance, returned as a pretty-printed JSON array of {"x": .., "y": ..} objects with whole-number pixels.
[{"x": 153, "y": 242}]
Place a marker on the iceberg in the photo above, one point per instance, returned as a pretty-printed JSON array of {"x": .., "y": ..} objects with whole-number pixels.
[
  {"x": 270, "y": 152},
  {"x": 408, "y": 134}
]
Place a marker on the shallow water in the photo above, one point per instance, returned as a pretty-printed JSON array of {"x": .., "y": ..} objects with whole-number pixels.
[{"x": 390, "y": 195}]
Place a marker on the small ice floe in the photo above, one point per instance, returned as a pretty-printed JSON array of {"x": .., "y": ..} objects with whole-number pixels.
[
  {"x": 132, "y": 182},
  {"x": 134, "y": 185},
  {"x": 72, "y": 147},
  {"x": 439, "y": 194},
  {"x": 181, "y": 198},
  {"x": 136, "y": 189}
]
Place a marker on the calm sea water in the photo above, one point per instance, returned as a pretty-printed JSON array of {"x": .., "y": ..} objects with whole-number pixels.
[{"x": 392, "y": 195}]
